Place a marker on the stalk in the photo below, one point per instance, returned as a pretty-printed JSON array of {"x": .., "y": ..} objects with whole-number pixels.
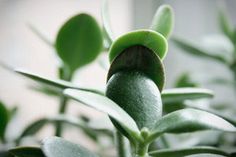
[
  {"x": 122, "y": 145},
  {"x": 64, "y": 74}
]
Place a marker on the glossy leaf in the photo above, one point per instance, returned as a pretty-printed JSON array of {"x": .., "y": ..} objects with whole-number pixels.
[
  {"x": 107, "y": 106},
  {"x": 224, "y": 23},
  {"x": 107, "y": 32},
  {"x": 27, "y": 152},
  {"x": 190, "y": 120},
  {"x": 176, "y": 95},
  {"x": 60, "y": 84},
  {"x": 163, "y": 21},
  {"x": 4, "y": 117},
  {"x": 58, "y": 147},
  {"x": 187, "y": 151},
  {"x": 196, "y": 50},
  {"x": 40, "y": 35},
  {"x": 79, "y": 41}
]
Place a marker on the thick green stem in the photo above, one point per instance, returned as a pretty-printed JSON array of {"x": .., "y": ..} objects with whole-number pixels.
[
  {"x": 142, "y": 150},
  {"x": 123, "y": 148}
]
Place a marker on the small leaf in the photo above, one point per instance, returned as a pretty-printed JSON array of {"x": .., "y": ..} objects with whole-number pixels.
[
  {"x": 60, "y": 84},
  {"x": 4, "y": 118},
  {"x": 107, "y": 32},
  {"x": 163, "y": 21},
  {"x": 27, "y": 152},
  {"x": 188, "y": 151},
  {"x": 181, "y": 94},
  {"x": 58, "y": 147},
  {"x": 40, "y": 35},
  {"x": 196, "y": 50},
  {"x": 184, "y": 80},
  {"x": 79, "y": 41},
  {"x": 105, "y": 105},
  {"x": 224, "y": 23},
  {"x": 190, "y": 120}
]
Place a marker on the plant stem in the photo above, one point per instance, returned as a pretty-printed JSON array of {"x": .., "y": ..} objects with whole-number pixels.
[
  {"x": 64, "y": 74},
  {"x": 122, "y": 145}
]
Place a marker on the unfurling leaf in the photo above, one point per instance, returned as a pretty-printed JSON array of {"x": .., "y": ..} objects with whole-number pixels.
[{"x": 163, "y": 21}]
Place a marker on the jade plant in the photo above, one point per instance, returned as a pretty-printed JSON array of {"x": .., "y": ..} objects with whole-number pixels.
[{"x": 134, "y": 99}]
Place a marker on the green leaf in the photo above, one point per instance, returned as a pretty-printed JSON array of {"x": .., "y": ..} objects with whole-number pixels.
[
  {"x": 40, "y": 35},
  {"x": 107, "y": 32},
  {"x": 79, "y": 41},
  {"x": 39, "y": 124},
  {"x": 184, "y": 80},
  {"x": 163, "y": 21},
  {"x": 190, "y": 120},
  {"x": 105, "y": 105},
  {"x": 27, "y": 152},
  {"x": 224, "y": 23},
  {"x": 196, "y": 50},
  {"x": 176, "y": 95},
  {"x": 188, "y": 151},
  {"x": 58, "y": 147},
  {"x": 60, "y": 84},
  {"x": 4, "y": 118}
]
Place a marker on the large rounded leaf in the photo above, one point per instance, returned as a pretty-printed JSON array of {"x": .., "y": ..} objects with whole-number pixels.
[
  {"x": 190, "y": 120},
  {"x": 163, "y": 20},
  {"x": 188, "y": 151},
  {"x": 58, "y": 147},
  {"x": 3, "y": 120},
  {"x": 79, "y": 41}
]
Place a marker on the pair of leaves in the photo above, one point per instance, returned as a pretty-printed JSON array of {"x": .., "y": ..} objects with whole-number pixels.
[
  {"x": 186, "y": 120},
  {"x": 53, "y": 147}
]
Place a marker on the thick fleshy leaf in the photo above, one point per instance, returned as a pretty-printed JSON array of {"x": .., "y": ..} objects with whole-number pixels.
[
  {"x": 188, "y": 151},
  {"x": 27, "y": 152},
  {"x": 190, "y": 120},
  {"x": 163, "y": 21},
  {"x": 40, "y": 35},
  {"x": 58, "y": 147},
  {"x": 107, "y": 32},
  {"x": 59, "y": 84},
  {"x": 196, "y": 50},
  {"x": 4, "y": 117},
  {"x": 79, "y": 41},
  {"x": 176, "y": 95},
  {"x": 107, "y": 106}
]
